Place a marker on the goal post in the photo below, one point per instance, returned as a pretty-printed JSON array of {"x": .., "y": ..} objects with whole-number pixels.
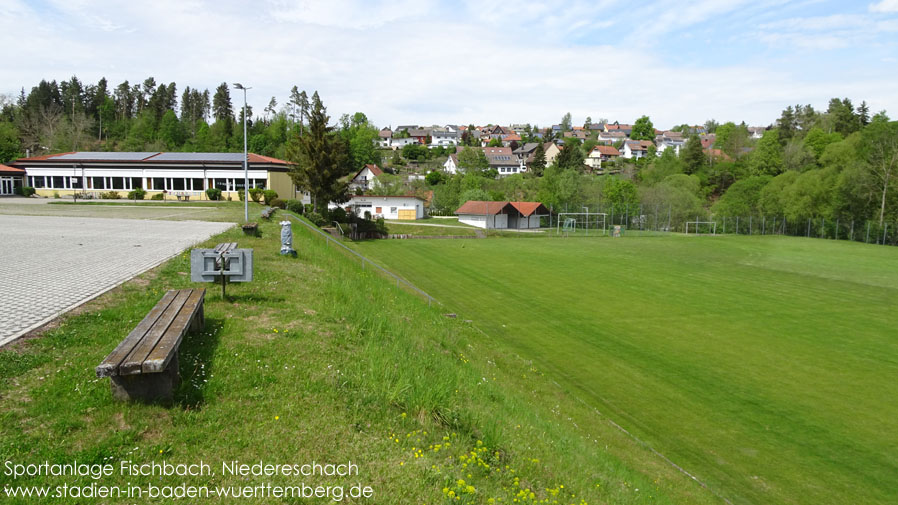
[
  {"x": 582, "y": 222},
  {"x": 697, "y": 226}
]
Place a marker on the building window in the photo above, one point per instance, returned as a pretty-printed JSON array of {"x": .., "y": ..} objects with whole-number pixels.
[
  {"x": 136, "y": 182},
  {"x": 197, "y": 184},
  {"x": 392, "y": 210},
  {"x": 98, "y": 182},
  {"x": 158, "y": 183},
  {"x": 38, "y": 182},
  {"x": 58, "y": 182},
  {"x": 177, "y": 184},
  {"x": 118, "y": 183},
  {"x": 76, "y": 182},
  {"x": 239, "y": 184},
  {"x": 221, "y": 184}
]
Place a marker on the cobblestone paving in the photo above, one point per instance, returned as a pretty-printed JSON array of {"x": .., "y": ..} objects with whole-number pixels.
[{"x": 52, "y": 264}]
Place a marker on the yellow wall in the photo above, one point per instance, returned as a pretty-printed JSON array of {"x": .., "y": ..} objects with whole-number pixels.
[{"x": 281, "y": 182}]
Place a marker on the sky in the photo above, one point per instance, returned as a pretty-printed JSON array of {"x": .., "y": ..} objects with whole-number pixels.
[{"x": 459, "y": 62}]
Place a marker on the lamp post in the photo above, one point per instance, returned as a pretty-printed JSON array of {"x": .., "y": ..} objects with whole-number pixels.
[{"x": 245, "y": 158}]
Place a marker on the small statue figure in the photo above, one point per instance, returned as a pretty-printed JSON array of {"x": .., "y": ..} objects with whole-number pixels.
[{"x": 287, "y": 239}]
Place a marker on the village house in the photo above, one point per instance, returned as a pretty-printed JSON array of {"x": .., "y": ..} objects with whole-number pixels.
[
  {"x": 635, "y": 149},
  {"x": 366, "y": 178},
  {"x": 502, "y": 215},
  {"x": 443, "y": 137},
  {"x": 388, "y": 207},
  {"x": 383, "y": 138},
  {"x": 611, "y": 137},
  {"x": 599, "y": 154},
  {"x": 670, "y": 140}
]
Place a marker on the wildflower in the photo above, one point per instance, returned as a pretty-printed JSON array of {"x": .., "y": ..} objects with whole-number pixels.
[{"x": 277, "y": 417}]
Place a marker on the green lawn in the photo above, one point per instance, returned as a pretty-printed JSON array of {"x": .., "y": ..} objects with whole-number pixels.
[
  {"x": 319, "y": 360},
  {"x": 765, "y": 366}
]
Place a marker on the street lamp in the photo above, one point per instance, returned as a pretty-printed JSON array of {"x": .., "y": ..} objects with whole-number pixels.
[{"x": 245, "y": 158}]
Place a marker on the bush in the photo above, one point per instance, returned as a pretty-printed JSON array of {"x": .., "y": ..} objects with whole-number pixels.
[
  {"x": 309, "y": 208},
  {"x": 25, "y": 191},
  {"x": 316, "y": 218},
  {"x": 137, "y": 194},
  {"x": 213, "y": 193},
  {"x": 270, "y": 195},
  {"x": 158, "y": 196},
  {"x": 277, "y": 202},
  {"x": 339, "y": 215},
  {"x": 110, "y": 195},
  {"x": 56, "y": 194},
  {"x": 255, "y": 194},
  {"x": 239, "y": 195},
  {"x": 295, "y": 206}
]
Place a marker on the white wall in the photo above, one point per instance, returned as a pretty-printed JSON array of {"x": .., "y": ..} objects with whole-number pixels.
[
  {"x": 481, "y": 221},
  {"x": 389, "y": 206}
]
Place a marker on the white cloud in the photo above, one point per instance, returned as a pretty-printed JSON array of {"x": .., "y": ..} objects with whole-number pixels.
[
  {"x": 884, "y": 6},
  {"x": 426, "y": 62}
]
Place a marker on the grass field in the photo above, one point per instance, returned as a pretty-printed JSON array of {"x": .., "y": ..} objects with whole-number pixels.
[
  {"x": 319, "y": 359},
  {"x": 765, "y": 366}
]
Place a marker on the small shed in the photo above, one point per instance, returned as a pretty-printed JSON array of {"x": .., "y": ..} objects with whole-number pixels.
[
  {"x": 388, "y": 207},
  {"x": 502, "y": 215}
]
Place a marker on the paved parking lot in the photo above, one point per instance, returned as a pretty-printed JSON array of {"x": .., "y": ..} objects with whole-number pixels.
[{"x": 50, "y": 264}]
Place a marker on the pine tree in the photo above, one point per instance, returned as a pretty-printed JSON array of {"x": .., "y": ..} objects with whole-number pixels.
[
  {"x": 321, "y": 158},
  {"x": 221, "y": 103},
  {"x": 538, "y": 165},
  {"x": 863, "y": 113}
]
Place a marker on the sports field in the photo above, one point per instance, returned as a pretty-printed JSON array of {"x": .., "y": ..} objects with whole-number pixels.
[{"x": 765, "y": 366}]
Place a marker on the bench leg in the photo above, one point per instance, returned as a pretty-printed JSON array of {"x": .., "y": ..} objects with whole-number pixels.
[
  {"x": 147, "y": 387},
  {"x": 199, "y": 321}
]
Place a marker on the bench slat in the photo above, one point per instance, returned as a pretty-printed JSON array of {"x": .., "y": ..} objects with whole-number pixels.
[
  {"x": 110, "y": 365},
  {"x": 162, "y": 354},
  {"x": 133, "y": 364}
]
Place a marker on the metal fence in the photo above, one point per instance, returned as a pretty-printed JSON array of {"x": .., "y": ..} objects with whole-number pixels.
[
  {"x": 364, "y": 261},
  {"x": 648, "y": 220}
]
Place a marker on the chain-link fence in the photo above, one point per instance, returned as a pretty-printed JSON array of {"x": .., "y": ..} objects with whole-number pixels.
[{"x": 659, "y": 220}]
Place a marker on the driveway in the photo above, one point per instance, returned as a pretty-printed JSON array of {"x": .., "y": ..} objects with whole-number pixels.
[{"x": 51, "y": 264}]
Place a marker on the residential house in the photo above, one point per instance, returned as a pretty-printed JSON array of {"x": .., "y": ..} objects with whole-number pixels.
[
  {"x": 757, "y": 131},
  {"x": 400, "y": 142},
  {"x": 552, "y": 151},
  {"x": 627, "y": 129},
  {"x": 508, "y": 139},
  {"x": 669, "y": 139},
  {"x": 599, "y": 154},
  {"x": 420, "y": 134},
  {"x": 611, "y": 137},
  {"x": 502, "y": 215},
  {"x": 388, "y": 207},
  {"x": 451, "y": 164},
  {"x": 502, "y": 159},
  {"x": 577, "y": 134},
  {"x": 636, "y": 148},
  {"x": 443, "y": 137},
  {"x": 366, "y": 178},
  {"x": 383, "y": 138}
]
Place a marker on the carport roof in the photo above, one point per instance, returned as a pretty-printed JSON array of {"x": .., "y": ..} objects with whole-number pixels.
[{"x": 5, "y": 170}]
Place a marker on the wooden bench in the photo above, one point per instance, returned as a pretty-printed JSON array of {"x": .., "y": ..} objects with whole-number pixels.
[
  {"x": 268, "y": 212},
  {"x": 225, "y": 247},
  {"x": 144, "y": 366}
]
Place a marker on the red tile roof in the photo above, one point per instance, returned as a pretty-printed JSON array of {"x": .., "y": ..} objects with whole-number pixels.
[
  {"x": 481, "y": 207},
  {"x": 606, "y": 150},
  {"x": 5, "y": 170},
  {"x": 374, "y": 169},
  {"x": 258, "y": 158},
  {"x": 527, "y": 209},
  {"x": 492, "y": 208}
]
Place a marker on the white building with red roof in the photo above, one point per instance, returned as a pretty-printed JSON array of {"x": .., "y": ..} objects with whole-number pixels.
[
  {"x": 11, "y": 178},
  {"x": 502, "y": 215}
]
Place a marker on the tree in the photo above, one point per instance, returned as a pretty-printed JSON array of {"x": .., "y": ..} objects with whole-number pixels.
[
  {"x": 473, "y": 160},
  {"x": 643, "y": 129},
  {"x": 842, "y": 115},
  {"x": 732, "y": 139},
  {"x": 495, "y": 142},
  {"x": 566, "y": 122},
  {"x": 171, "y": 131},
  {"x": 570, "y": 157},
  {"x": 880, "y": 147},
  {"x": 693, "y": 155},
  {"x": 538, "y": 165},
  {"x": 587, "y": 123},
  {"x": 863, "y": 114},
  {"x": 10, "y": 146},
  {"x": 360, "y": 136},
  {"x": 222, "y": 109},
  {"x": 321, "y": 159},
  {"x": 619, "y": 193},
  {"x": 434, "y": 177},
  {"x": 767, "y": 158},
  {"x": 742, "y": 198},
  {"x": 272, "y": 107}
]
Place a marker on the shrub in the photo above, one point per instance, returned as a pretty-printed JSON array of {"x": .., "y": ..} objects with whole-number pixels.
[
  {"x": 339, "y": 215},
  {"x": 316, "y": 218},
  {"x": 277, "y": 202},
  {"x": 110, "y": 195},
  {"x": 255, "y": 195},
  {"x": 213, "y": 193},
  {"x": 309, "y": 208},
  {"x": 270, "y": 196},
  {"x": 56, "y": 194},
  {"x": 137, "y": 194},
  {"x": 295, "y": 206},
  {"x": 25, "y": 191},
  {"x": 158, "y": 196},
  {"x": 239, "y": 195}
]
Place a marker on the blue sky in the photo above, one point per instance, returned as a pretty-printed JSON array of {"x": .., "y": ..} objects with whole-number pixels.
[{"x": 429, "y": 61}]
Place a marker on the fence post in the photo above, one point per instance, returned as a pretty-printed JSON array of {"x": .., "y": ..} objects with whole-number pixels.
[
  {"x": 737, "y": 225},
  {"x": 867, "y": 240},
  {"x": 851, "y": 233},
  {"x": 809, "y": 228},
  {"x": 668, "y": 217},
  {"x": 823, "y": 226},
  {"x": 885, "y": 230},
  {"x": 837, "y": 230},
  {"x": 724, "y": 225},
  {"x": 627, "y": 218},
  {"x": 749, "y": 224}
]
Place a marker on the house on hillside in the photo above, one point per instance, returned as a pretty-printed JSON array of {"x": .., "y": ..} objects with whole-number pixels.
[
  {"x": 670, "y": 140},
  {"x": 400, "y": 142},
  {"x": 599, "y": 154},
  {"x": 502, "y": 159},
  {"x": 611, "y": 137},
  {"x": 502, "y": 215},
  {"x": 388, "y": 207},
  {"x": 443, "y": 137},
  {"x": 366, "y": 178},
  {"x": 383, "y": 138},
  {"x": 451, "y": 164},
  {"x": 636, "y": 149},
  {"x": 757, "y": 131}
]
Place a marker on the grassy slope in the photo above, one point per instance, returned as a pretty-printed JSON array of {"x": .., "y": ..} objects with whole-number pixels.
[
  {"x": 318, "y": 359},
  {"x": 765, "y": 365}
]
